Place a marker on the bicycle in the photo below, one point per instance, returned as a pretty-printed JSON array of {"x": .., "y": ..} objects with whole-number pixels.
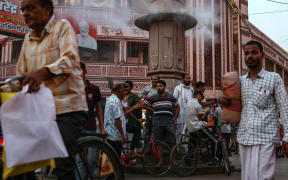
[
  {"x": 186, "y": 156},
  {"x": 151, "y": 157},
  {"x": 106, "y": 165},
  {"x": 92, "y": 168}
]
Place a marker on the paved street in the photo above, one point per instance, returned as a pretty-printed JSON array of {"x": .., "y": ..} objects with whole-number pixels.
[{"x": 138, "y": 173}]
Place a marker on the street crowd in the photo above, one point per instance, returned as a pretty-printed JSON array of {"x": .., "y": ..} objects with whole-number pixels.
[
  {"x": 49, "y": 57},
  {"x": 165, "y": 112}
]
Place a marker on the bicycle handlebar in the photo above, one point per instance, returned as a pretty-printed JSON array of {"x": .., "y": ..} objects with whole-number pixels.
[{"x": 12, "y": 79}]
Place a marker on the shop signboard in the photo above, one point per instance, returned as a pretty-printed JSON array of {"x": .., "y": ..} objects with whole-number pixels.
[{"x": 11, "y": 19}]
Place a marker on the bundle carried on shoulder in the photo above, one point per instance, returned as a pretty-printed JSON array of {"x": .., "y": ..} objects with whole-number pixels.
[{"x": 232, "y": 90}]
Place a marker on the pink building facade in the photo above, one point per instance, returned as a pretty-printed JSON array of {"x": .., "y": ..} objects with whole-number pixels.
[
  {"x": 213, "y": 47},
  {"x": 276, "y": 59}
]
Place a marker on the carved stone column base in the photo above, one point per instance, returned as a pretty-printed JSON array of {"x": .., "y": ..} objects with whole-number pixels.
[{"x": 171, "y": 84}]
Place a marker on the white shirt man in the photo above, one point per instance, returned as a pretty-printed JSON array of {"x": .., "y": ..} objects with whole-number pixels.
[
  {"x": 263, "y": 98},
  {"x": 194, "y": 109},
  {"x": 183, "y": 93}
]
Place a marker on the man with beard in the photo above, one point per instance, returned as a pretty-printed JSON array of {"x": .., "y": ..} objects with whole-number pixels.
[
  {"x": 183, "y": 93},
  {"x": 166, "y": 110},
  {"x": 263, "y": 96},
  {"x": 147, "y": 92}
]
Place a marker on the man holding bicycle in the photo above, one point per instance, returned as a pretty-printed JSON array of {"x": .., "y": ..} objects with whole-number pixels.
[
  {"x": 49, "y": 57},
  {"x": 147, "y": 92},
  {"x": 166, "y": 110}
]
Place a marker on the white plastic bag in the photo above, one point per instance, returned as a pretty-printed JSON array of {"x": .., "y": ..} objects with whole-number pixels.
[{"x": 30, "y": 130}]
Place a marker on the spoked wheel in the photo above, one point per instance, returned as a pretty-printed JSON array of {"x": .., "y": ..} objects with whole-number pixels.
[
  {"x": 226, "y": 161},
  {"x": 151, "y": 160},
  {"x": 97, "y": 160},
  {"x": 183, "y": 159}
]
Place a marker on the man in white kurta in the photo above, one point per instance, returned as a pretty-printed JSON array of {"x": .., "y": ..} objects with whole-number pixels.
[
  {"x": 263, "y": 98},
  {"x": 183, "y": 93}
]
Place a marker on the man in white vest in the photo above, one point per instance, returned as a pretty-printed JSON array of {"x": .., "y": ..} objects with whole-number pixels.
[{"x": 183, "y": 93}]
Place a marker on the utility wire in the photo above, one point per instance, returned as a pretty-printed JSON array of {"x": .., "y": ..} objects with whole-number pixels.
[
  {"x": 269, "y": 12},
  {"x": 283, "y": 41},
  {"x": 278, "y": 2}
]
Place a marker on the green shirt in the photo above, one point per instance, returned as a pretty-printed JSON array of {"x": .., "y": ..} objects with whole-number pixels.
[{"x": 132, "y": 100}]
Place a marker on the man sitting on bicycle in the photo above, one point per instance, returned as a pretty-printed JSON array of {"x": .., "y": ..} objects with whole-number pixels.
[
  {"x": 166, "y": 110},
  {"x": 195, "y": 119}
]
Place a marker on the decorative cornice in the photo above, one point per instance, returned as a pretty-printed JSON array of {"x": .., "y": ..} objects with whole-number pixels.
[{"x": 244, "y": 2}]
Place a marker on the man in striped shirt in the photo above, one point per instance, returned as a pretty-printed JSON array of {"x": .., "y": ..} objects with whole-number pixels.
[{"x": 166, "y": 110}]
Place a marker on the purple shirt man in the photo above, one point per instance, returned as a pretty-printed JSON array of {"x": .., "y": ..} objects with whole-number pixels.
[
  {"x": 93, "y": 95},
  {"x": 93, "y": 98}
]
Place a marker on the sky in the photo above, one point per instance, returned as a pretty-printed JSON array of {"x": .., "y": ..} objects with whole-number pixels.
[{"x": 274, "y": 25}]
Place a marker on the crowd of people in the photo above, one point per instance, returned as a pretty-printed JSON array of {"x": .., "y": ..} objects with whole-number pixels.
[
  {"x": 49, "y": 57},
  {"x": 169, "y": 114}
]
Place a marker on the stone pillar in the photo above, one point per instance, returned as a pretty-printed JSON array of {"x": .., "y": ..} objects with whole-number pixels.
[
  {"x": 167, "y": 51},
  {"x": 6, "y": 53},
  {"x": 123, "y": 52},
  {"x": 167, "y": 25}
]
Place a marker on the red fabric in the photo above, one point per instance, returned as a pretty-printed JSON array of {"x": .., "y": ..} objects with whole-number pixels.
[
  {"x": 231, "y": 116},
  {"x": 235, "y": 106},
  {"x": 234, "y": 91},
  {"x": 154, "y": 150},
  {"x": 4, "y": 42}
]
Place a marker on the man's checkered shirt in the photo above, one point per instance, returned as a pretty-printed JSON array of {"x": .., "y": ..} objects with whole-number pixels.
[{"x": 262, "y": 99}]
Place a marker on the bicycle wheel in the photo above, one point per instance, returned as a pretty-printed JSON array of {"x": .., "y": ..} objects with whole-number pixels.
[
  {"x": 226, "y": 161},
  {"x": 151, "y": 160},
  {"x": 184, "y": 159},
  {"x": 99, "y": 161}
]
